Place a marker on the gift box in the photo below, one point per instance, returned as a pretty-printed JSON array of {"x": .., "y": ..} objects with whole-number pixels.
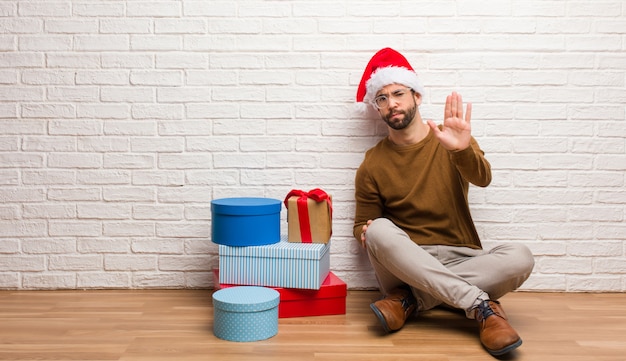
[
  {"x": 245, "y": 313},
  {"x": 282, "y": 264},
  {"x": 309, "y": 216},
  {"x": 330, "y": 299},
  {"x": 245, "y": 221}
]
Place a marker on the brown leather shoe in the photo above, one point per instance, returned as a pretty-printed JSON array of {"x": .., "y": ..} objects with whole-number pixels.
[
  {"x": 496, "y": 335},
  {"x": 394, "y": 309}
]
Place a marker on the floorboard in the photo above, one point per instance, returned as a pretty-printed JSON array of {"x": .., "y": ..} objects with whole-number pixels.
[{"x": 154, "y": 325}]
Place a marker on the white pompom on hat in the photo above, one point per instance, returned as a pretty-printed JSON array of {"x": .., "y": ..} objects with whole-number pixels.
[{"x": 386, "y": 67}]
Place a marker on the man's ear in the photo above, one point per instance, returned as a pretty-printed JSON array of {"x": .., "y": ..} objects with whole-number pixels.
[{"x": 418, "y": 97}]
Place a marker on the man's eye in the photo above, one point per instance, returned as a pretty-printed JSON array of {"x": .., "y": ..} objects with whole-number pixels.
[
  {"x": 381, "y": 98},
  {"x": 398, "y": 93}
]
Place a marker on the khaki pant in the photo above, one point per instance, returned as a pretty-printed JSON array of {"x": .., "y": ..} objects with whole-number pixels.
[{"x": 455, "y": 276}]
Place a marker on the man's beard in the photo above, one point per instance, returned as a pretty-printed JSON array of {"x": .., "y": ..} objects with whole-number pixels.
[{"x": 402, "y": 122}]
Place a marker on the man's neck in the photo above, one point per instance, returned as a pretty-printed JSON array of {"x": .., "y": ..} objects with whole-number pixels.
[{"x": 413, "y": 134}]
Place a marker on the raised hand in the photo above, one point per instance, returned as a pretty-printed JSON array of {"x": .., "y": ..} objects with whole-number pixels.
[{"x": 455, "y": 133}]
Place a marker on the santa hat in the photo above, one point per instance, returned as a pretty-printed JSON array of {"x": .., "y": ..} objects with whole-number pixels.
[{"x": 386, "y": 67}]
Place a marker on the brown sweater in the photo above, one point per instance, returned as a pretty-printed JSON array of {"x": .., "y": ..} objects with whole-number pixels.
[{"x": 422, "y": 188}]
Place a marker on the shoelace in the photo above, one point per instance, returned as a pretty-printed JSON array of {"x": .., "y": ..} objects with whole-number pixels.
[
  {"x": 406, "y": 303},
  {"x": 485, "y": 310}
]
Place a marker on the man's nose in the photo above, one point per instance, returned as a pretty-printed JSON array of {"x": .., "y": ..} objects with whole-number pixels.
[{"x": 393, "y": 102}]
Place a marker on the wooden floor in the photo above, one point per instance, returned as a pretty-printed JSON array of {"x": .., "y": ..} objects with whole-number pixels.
[{"x": 178, "y": 325}]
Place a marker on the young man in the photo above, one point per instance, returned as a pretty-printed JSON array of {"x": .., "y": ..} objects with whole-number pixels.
[{"x": 412, "y": 212}]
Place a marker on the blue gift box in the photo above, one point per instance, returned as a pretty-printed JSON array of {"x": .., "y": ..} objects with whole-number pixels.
[
  {"x": 282, "y": 264},
  {"x": 245, "y": 313},
  {"x": 245, "y": 221}
]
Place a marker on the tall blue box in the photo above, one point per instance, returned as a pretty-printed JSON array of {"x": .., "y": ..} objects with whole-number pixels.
[{"x": 246, "y": 221}]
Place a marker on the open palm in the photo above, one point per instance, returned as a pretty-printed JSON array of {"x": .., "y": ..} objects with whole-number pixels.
[{"x": 455, "y": 134}]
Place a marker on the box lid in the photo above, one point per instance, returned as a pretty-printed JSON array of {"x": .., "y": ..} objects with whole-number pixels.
[
  {"x": 245, "y": 206},
  {"x": 282, "y": 249},
  {"x": 246, "y": 299}
]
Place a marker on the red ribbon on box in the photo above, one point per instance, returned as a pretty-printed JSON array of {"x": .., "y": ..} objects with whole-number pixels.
[{"x": 317, "y": 195}]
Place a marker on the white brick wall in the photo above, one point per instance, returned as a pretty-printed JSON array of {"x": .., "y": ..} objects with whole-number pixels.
[{"x": 121, "y": 120}]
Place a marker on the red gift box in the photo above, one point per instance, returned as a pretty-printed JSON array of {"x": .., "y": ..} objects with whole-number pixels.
[{"x": 330, "y": 299}]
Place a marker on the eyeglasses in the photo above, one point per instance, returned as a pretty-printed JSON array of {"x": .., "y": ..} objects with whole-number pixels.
[{"x": 382, "y": 101}]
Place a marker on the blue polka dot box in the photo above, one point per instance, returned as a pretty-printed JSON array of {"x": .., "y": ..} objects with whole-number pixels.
[{"x": 245, "y": 313}]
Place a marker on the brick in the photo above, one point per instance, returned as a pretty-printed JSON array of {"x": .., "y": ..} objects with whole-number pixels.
[
  {"x": 45, "y": 43},
  {"x": 156, "y": 42},
  {"x": 102, "y": 77},
  {"x": 13, "y": 263},
  {"x": 160, "y": 178},
  {"x": 151, "y": 145},
  {"x": 154, "y": 8},
  {"x": 129, "y": 194},
  {"x": 104, "y": 177},
  {"x": 107, "y": 9},
  {"x": 66, "y": 177},
  {"x": 49, "y": 211},
  {"x": 73, "y": 60},
  {"x": 9, "y": 177},
  {"x": 101, "y": 42},
  {"x": 128, "y": 161},
  {"x": 181, "y": 26},
  {"x": 173, "y": 263},
  {"x": 74, "y": 160},
  {"x": 75, "y": 228},
  {"x": 186, "y": 230},
  {"x": 9, "y": 246},
  {"x": 103, "y": 111},
  {"x": 159, "y": 280},
  {"x": 159, "y": 212},
  {"x": 128, "y": 229},
  {"x": 69, "y": 26},
  {"x": 9, "y": 280},
  {"x": 41, "y": 8},
  {"x": 125, "y": 26},
  {"x": 49, "y": 281},
  {"x": 103, "y": 211},
  {"x": 593, "y": 284},
  {"x": 105, "y": 280},
  {"x": 77, "y": 94},
  {"x": 103, "y": 245},
  {"x": 127, "y": 60},
  {"x": 129, "y": 263},
  {"x": 212, "y": 177},
  {"x": 48, "y": 246},
  {"x": 159, "y": 246},
  {"x": 47, "y": 77},
  {"x": 48, "y": 111}
]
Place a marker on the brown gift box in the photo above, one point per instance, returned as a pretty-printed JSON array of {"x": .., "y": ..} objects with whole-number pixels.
[{"x": 319, "y": 219}]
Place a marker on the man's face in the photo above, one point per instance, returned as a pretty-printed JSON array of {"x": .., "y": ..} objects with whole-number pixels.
[{"x": 397, "y": 105}]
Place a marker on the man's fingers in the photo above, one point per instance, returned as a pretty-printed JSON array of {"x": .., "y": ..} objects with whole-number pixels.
[
  {"x": 447, "y": 112},
  {"x": 433, "y": 126},
  {"x": 453, "y": 104},
  {"x": 468, "y": 113}
]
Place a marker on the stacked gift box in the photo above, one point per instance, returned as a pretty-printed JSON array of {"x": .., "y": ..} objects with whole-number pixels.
[{"x": 252, "y": 251}]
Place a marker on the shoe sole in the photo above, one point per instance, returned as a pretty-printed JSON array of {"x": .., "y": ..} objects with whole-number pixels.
[
  {"x": 505, "y": 350},
  {"x": 381, "y": 318}
]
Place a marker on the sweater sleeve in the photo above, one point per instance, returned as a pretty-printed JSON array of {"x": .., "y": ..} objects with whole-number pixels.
[
  {"x": 368, "y": 202},
  {"x": 472, "y": 164}
]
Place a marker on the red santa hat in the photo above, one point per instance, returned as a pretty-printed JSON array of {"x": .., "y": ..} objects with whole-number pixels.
[{"x": 386, "y": 67}]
